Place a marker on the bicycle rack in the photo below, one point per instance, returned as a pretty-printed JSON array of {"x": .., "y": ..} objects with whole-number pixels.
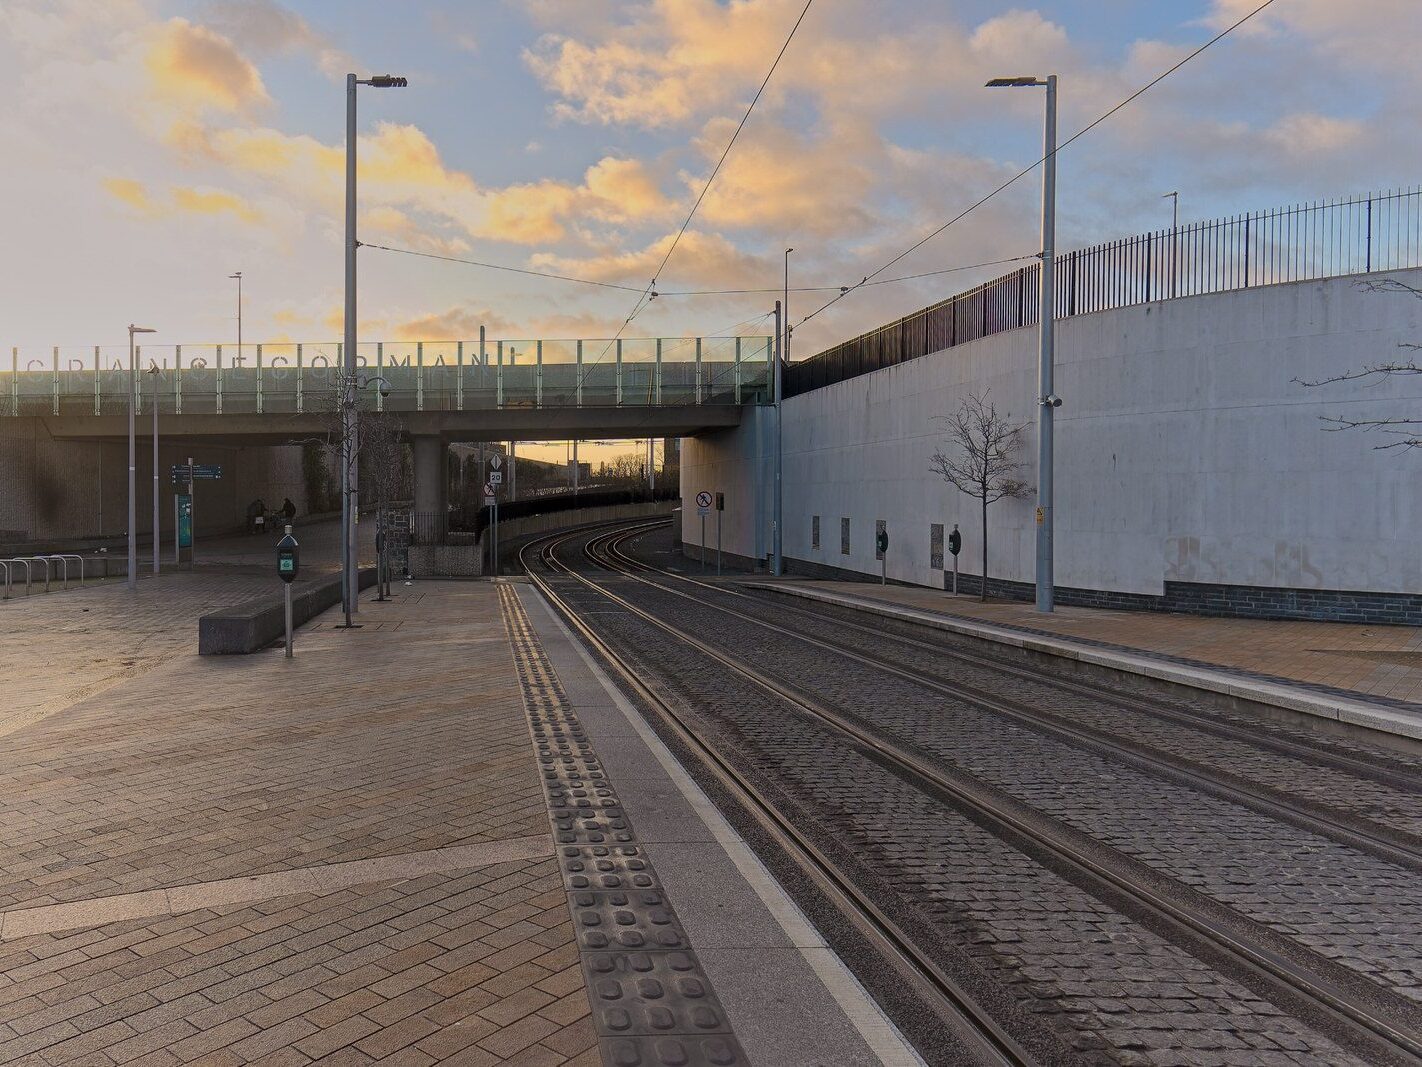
[
  {"x": 6, "y": 594},
  {"x": 64, "y": 558},
  {"x": 29, "y": 573},
  {"x": 41, "y": 559}
]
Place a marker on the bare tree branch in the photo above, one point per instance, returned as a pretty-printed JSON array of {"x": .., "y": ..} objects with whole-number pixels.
[{"x": 982, "y": 464}]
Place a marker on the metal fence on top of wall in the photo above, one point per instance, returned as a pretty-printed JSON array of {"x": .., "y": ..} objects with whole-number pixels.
[{"x": 1326, "y": 239}]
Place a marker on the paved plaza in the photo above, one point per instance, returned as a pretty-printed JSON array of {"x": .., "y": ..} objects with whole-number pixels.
[{"x": 343, "y": 858}]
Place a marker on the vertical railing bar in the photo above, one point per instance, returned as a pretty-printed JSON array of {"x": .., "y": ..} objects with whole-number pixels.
[
  {"x": 459, "y": 376},
  {"x": 538, "y": 374},
  {"x": 619, "y": 376},
  {"x": 177, "y": 379},
  {"x": 419, "y": 376},
  {"x": 300, "y": 379},
  {"x": 97, "y": 380},
  {"x": 217, "y": 401},
  {"x": 259, "y": 379},
  {"x": 54, "y": 380},
  {"x": 499, "y": 377},
  {"x": 579, "y": 386}
]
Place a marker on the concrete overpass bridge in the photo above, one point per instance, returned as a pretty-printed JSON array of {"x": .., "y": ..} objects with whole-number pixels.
[
  {"x": 64, "y": 412},
  {"x": 453, "y": 391}
]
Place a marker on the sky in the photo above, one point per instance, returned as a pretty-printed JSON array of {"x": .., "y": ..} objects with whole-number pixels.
[{"x": 154, "y": 148}]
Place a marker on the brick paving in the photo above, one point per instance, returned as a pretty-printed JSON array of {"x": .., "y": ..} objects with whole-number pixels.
[
  {"x": 1383, "y": 661},
  {"x": 170, "y": 789}
]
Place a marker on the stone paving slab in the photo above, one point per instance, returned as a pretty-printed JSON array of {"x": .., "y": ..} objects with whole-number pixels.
[{"x": 344, "y": 857}]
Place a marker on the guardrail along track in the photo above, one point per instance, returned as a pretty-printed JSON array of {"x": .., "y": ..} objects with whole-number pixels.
[{"x": 1367, "y": 1017}]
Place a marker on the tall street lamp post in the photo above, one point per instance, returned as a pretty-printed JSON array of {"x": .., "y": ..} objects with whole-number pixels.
[
  {"x": 133, "y": 457},
  {"x": 1047, "y": 400},
  {"x": 781, "y": 355},
  {"x": 153, "y": 373},
  {"x": 350, "y": 585},
  {"x": 238, "y": 278}
]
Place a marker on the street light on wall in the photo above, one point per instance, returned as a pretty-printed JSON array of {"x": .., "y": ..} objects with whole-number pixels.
[
  {"x": 1047, "y": 400},
  {"x": 133, "y": 457},
  {"x": 350, "y": 583}
]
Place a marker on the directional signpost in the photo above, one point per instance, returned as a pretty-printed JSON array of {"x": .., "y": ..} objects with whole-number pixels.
[
  {"x": 184, "y": 475},
  {"x": 491, "y": 500}
]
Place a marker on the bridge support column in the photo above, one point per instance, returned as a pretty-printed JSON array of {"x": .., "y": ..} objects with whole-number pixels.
[{"x": 429, "y": 474}]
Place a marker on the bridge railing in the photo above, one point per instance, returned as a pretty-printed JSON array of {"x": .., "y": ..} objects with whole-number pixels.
[
  {"x": 1323, "y": 239},
  {"x": 292, "y": 378}
]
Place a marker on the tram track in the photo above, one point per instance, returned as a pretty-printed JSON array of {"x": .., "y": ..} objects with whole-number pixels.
[
  {"x": 980, "y": 1032},
  {"x": 1386, "y": 843},
  {"x": 1372, "y": 1020}
]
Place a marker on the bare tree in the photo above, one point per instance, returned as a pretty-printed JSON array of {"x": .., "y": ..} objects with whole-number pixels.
[
  {"x": 983, "y": 463},
  {"x": 1407, "y": 431}
]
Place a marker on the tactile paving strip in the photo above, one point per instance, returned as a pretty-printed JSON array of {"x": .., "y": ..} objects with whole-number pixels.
[{"x": 652, "y": 1003}]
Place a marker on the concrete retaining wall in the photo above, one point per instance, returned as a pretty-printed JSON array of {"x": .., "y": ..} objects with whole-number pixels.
[
  {"x": 59, "y": 489},
  {"x": 254, "y": 625},
  {"x": 1187, "y": 456}
]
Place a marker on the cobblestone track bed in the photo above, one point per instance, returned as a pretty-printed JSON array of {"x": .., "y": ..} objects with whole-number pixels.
[
  {"x": 1350, "y": 907},
  {"x": 1121, "y": 992},
  {"x": 1390, "y": 793}
]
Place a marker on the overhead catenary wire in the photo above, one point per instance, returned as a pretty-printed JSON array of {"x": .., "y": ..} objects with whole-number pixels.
[
  {"x": 650, "y": 293},
  {"x": 664, "y": 294},
  {"x": 1023, "y": 173}
]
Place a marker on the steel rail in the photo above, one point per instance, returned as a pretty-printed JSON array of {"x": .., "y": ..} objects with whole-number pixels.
[
  {"x": 1188, "y": 915},
  {"x": 993, "y": 1043},
  {"x": 1397, "y": 847},
  {"x": 1407, "y": 783}
]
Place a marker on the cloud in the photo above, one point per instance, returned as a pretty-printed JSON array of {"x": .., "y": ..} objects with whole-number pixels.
[
  {"x": 1307, "y": 135},
  {"x": 267, "y": 28},
  {"x": 701, "y": 258},
  {"x": 612, "y": 191},
  {"x": 179, "y": 199},
  {"x": 131, "y": 192},
  {"x": 459, "y": 323},
  {"x": 193, "y": 68},
  {"x": 213, "y": 202}
]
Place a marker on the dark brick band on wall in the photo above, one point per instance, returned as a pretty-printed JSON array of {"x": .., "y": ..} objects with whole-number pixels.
[{"x": 1225, "y": 601}]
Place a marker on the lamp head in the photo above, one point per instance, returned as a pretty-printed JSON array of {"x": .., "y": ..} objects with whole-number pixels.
[
  {"x": 388, "y": 81},
  {"x": 1015, "y": 82},
  {"x": 140, "y": 329}
]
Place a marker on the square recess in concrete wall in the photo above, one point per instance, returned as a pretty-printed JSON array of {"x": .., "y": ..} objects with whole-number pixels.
[{"x": 844, "y": 537}]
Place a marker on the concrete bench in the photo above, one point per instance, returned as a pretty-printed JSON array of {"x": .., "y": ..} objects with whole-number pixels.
[{"x": 255, "y": 624}]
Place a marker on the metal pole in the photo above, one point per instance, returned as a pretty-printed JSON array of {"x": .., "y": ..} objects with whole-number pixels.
[
  {"x": 718, "y": 542},
  {"x": 652, "y": 467},
  {"x": 157, "y": 541},
  {"x": 288, "y": 616},
  {"x": 192, "y": 518},
  {"x": 777, "y": 517},
  {"x": 132, "y": 469},
  {"x": 513, "y": 470},
  {"x": 575, "y": 468},
  {"x": 1046, "y": 328},
  {"x": 703, "y": 543},
  {"x": 347, "y": 398}
]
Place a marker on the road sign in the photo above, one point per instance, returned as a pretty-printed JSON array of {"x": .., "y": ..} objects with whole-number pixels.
[
  {"x": 181, "y": 471},
  {"x": 496, "y": 461},
  {"x": 496, "y": 477},
  {"x": 488, "y": 488},
  {"x": 703, "y": 499},
  {"x": 488, "y": 500}
]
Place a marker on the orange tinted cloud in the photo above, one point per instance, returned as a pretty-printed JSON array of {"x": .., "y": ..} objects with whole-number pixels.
[
  {"x": 612, "y": 191},
  {"x": 195, "y": 68},
  {"x": 130, "y": 192},
  {"x": 213, "y": 202}
]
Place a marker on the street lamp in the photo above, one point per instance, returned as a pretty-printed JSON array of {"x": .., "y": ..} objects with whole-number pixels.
[
  {"x": 1047, "y": 400},
  {"x": 133, "y": 458},
  {"x": 781, "y": 356},
  {"x": 350, "y": 584},
  {"x": 238, "y": 277},
  {"x": 153, "y": 373}
]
